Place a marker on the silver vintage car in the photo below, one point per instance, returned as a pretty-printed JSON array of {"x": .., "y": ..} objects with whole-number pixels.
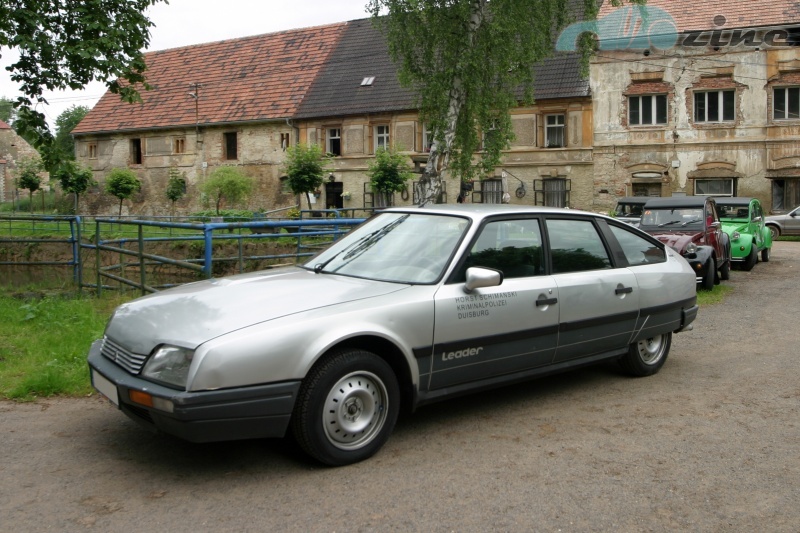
[{"x": 413, "y": 306}]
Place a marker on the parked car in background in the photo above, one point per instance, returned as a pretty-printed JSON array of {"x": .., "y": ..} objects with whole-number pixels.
[
  {"x": 629, "y": 209},
  {"x": 788, "y": 224},
  {"x": 413, "y": 306},
  {"x": 743, "y": 221},
  {"x": 691, "y": 226}
]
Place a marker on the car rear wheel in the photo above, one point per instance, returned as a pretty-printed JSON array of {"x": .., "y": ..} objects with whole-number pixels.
[
  {"x": 752, "y": 259},
  {"x": 346, "y": 408},
  {"x": 646, "y": 357},
  {"x": 765, "y": 255},
  {"x": 725, "y": 270},
  {"x": 708, "y": 277}
]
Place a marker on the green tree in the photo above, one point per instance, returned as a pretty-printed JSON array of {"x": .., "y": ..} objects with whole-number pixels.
[
  {"x": 176, "y": 187},
  {"x": 64, "y": 144},
  {"x": 389, "y": 171},
  {"x": 65, "y": 45},
  {"x": 74, "y": 179},
  {"x": 305, "y": 168},
  {"x": 467, "y": 61},
  {"x": 27, "y": 171},
  {"x": 122, "y": 183},
  {"x": 229, "y": 184},
  {"x": 7, "y": 111}
]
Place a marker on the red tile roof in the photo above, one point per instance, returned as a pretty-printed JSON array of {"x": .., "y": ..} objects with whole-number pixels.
[
  {"x": 4, "y": 126},
  {"x": 701, "y": 14},
  {"x": 263, "y": 77}
]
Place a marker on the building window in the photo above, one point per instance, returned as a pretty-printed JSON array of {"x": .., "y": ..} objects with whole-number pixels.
[
  {"x": 647, "y": 110},
  {"x": 552, "y": 192},
  {"x": 427, "y": 138},
  {"x": 786, "y": 102},
  {"x": 785, "y": 194},
  {"x": 381, "y": 137},
  {"x": 284, "y": 141},
  {"x": 179, "y": 145},
  {"x": 554, "y": 133},
  {"x": 334, "y": 141},
  {"x": 492, "y": 191},
  {"x": 715, "y": 187},
  {"x": 91, "y": 150},
  {"x": 136, "y": 151},
  {"x": 231, "y": 145},
  {"x": 715, "y": 106},
  {"x": 286, "y": 186}
]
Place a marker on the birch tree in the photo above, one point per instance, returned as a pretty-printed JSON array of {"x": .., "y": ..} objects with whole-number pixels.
[{"x": 470, "y": 62}]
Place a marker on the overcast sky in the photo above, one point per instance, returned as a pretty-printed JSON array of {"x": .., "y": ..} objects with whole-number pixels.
[{"x": 186, "y": 22}]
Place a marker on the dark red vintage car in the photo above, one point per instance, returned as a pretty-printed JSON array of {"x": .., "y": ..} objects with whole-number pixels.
[{"x": 690, "y": 225}]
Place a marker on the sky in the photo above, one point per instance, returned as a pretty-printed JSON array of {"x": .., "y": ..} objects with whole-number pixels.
[{"x": 187, "y": 22}]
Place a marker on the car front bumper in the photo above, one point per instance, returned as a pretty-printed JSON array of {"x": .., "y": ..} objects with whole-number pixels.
[{"x": 260, "y": 411}]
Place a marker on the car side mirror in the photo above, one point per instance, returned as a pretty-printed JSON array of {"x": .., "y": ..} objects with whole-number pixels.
[
  {"x": 478, "y": 277},
  {"x": 757, "y": 219}
]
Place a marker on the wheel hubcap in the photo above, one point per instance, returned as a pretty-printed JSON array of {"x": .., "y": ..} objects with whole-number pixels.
[
  {"x": 651, "y": 350},
  {"x": 355, "y": 410}
]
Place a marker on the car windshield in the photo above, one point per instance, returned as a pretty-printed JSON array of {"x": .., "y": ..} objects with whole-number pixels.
[
  {"x": 397, "y": 247},
  {"x": 628, "y": 210},
  {"x": 733, "y": 212},
  {"x": 673, "y": 218}
]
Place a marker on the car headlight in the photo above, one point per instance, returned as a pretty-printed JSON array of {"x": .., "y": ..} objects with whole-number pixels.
[
  {"x": 736, "y": 235},
  {"x": 691, "y": 248},
  {"x": 169, "y": 364}
]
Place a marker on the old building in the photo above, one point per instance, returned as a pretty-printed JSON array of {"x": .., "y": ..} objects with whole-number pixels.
[
  {"x": 698, "y": 97},
  {"x": 243, "y": 101},
  {"x": 13, "y": 148}
]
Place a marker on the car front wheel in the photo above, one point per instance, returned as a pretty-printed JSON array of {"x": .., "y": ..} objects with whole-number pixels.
[
  {"x": 776, "y": 232},
  {"x": 709, "y": 276},
  {"x": 752, "y": 258},
  {"x": 646, "y": 357},
  {"x": 346, "y": 408}
]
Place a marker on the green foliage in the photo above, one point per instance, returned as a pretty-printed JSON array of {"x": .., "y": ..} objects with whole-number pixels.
[
  {"x": 64, "y": 145},
  {"x": 389, "y": 171},
  {"x": 305, "y": 168},
  {"x": 470, "y": 62},
  {"x": 122, "y": 183},
  {"x": 66, "y": 45},
  {"x": 229, "y": 184},
  {"x": 7, "y": 111},
  {"x": 176, "y": 186},
  {"x": 74, "y": 179}
]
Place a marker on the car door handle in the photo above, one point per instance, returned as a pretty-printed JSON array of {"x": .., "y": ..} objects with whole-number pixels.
[
  {"x": 623, "y": 290},
  {"x": 546, "y": 301}
]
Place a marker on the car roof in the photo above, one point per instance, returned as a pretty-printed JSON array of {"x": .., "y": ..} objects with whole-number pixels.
[
  {"x": 734, "y": 200},
  {"x": 677, "y": 201},
  {"x": 633, "y": 200}
]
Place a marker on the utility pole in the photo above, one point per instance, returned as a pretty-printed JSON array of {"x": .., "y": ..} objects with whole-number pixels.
[{"x": 196, "y": 95}]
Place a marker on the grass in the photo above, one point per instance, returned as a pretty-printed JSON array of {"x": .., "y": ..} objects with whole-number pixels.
[
  {"x": 715, "y": 296},
  {"x": 44, "y": 341}
]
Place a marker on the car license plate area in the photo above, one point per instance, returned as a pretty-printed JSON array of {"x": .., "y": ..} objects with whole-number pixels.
[{"x": 106, "y": 388}]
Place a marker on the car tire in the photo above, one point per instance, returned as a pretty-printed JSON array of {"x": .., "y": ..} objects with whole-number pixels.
[
  {"x": 765, "y": 255},
  {"x": 346, "y": 408},
  {"x": 775, "y": 230},
  {"x": 709, "y": 278},
  {"x": 751, "y": 259},
  {"x": 725, "y": 270},
  {"x": 646, "y": 357}
]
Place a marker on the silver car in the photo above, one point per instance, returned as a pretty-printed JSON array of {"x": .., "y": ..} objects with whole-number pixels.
[
  {"x": 413, "y": 306},
  {"x": 788, "y": 224}
]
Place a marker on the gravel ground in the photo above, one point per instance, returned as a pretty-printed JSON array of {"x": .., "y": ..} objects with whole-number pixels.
[{"x": 711, "y": 443}]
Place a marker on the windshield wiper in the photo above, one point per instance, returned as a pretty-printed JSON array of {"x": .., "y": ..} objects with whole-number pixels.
[
  {"x": 691, "y": 221},
  {"x": 668, "y": 223},
  {"x": 362, "y": 245}
]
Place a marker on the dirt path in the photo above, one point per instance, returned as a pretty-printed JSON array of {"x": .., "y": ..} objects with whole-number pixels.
[{"x": 711, "y": 443}]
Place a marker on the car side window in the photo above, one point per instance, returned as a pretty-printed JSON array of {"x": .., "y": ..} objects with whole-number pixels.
[
  {"x": 575, "y": 246},
  {"x": 637, "y": 250},
  {"x": 512, "y": 246}
]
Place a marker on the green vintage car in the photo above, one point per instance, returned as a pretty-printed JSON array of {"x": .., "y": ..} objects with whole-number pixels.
[{"x": 743, "y": 220}]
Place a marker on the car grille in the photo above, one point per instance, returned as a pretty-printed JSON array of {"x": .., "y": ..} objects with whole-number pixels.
[{"x": 130, "y": 361}]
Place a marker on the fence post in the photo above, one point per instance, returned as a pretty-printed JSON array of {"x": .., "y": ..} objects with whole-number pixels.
[
  {"x": 209, "y": 256},
  {"x": 142, "y": 275},
  {"x": 97, "y": 256}
]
